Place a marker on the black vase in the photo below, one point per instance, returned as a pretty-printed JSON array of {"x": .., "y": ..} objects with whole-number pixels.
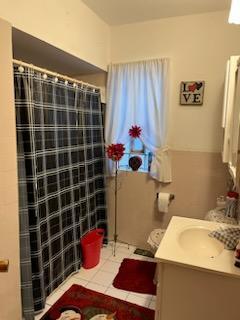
[{"x": 135, "y": 163}]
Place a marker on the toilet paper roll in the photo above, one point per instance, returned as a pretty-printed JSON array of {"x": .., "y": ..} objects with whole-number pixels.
[{"x": 163, "y": 202}]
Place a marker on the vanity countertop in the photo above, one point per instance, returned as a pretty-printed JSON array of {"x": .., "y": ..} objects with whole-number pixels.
[{"x": 171, "y": 249}]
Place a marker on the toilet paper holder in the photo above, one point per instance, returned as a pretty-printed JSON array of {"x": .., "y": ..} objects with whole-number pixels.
[{"x": 172, "y": 196}]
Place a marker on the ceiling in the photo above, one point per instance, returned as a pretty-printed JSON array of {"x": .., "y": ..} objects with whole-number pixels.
[
  {"x": 117, "y": 12},
  {"x": 35, "y": 51}
]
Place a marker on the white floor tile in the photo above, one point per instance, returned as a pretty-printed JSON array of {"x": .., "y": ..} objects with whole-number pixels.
[
  {"x": 152, "y": 305},
  {"x": 126, "y": 249},
  {"x": 73, "y": 280},
  {"x": 106, "y": 252},
  {"x": 111, "y": 266},
  {"x": 103, "y": 278},
  {"x": 116, "y": 293},
  {"x": 101, "y": 262},
  {"x": 123, "y": 247},
  {"x": 151, "y": 259},
  {"x": 39, "y": 316},
  {"x": 128, "y": 252},
  {"x": 138, "y": 300},
  {"x": 54, "y": 297},
  {"x": 139, "y": 257},
  {"x": 96, "y": 287},
  {"x": 142, "y": 295},
  {"x": 119, "y": 256},
  {"x": 153, "y": 298},
  {"x": 86, "y": 274},
  {"x": 118, "y": 244}
]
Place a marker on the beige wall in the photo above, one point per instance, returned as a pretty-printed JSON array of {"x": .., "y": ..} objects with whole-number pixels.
[
  {"x": 68, "y": 25},
  {"x": 10, "y": 306},
  {"x": 97, "y": 79},
  {"x": 198, "y": 178},
  {"x": 198, "y": 47}
]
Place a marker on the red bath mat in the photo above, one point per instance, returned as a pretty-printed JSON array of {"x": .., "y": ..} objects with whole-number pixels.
[
  {"x": 136, "y": 276},
  {"x": 87, "y": 304}
]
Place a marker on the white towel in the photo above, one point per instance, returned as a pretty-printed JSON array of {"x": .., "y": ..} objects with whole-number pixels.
[{"x": 161, "y": 165}]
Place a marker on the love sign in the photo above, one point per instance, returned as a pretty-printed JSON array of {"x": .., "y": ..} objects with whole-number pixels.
[{"x": 191, "y": 92}]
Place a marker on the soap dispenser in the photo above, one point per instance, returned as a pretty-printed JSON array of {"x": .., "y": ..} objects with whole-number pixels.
[
  {"x": 231, "y": 204},
  {"x": 237, "y": 255}
]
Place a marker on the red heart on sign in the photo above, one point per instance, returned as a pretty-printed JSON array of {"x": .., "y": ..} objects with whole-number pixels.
[{"x": 192, "y": 87}]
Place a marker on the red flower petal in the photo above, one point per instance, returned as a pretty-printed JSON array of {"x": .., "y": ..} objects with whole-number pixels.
[
  {"x": 135, "y": 131},
  {"x": 115, "y": 151}
]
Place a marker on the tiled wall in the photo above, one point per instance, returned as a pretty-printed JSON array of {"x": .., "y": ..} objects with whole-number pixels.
[
  {"x": 10, "y": 305},
  {"x": 198, "y": 178}
]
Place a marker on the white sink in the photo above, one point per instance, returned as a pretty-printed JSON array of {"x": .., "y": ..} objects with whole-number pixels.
[
  {"x": 186, "y": 242},
  {"x": 195, "y": 240}
]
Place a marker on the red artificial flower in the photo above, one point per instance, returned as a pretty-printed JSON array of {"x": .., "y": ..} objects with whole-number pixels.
[
  {"x": 115, "y": 151},
  {"x": 135, "y": 131}
]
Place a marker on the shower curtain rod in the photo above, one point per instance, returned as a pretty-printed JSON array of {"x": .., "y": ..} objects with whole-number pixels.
[{"x": 25, "y": 64}]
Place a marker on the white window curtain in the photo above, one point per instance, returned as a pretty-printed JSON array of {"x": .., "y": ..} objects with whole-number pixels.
[{"x": 137, "y": 94}]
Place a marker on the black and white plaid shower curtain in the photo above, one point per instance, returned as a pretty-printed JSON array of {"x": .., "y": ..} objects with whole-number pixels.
[{"x": 61, "y": 179}]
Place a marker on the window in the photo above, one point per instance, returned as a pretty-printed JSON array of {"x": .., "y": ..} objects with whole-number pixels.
[
  {"x": 137, "y": 94},
  {"x": 136, "y": 148}
]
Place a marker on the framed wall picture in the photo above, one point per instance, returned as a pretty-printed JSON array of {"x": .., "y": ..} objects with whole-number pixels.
[{"x": 191, "y": 92}]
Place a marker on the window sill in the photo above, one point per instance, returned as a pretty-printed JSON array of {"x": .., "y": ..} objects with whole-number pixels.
[{"x": 130, "y": 170}]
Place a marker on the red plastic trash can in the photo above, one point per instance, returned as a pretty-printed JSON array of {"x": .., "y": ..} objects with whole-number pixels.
[{"x": 91, "y": 245}]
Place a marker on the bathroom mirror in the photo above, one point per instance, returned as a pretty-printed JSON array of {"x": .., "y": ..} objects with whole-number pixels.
[{"x": 231, "y": 116}]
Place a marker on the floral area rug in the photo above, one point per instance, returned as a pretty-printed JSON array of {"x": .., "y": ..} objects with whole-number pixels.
[{"x": 79, "y": 303}]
